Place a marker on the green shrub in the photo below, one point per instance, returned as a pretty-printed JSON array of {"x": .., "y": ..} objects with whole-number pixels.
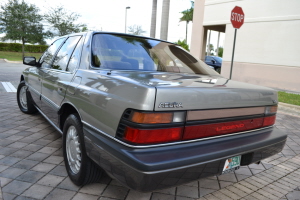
[{"x": 16, "y": 47}]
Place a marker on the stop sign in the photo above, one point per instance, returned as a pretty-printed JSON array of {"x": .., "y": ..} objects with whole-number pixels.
[{"x": 237, "y": 17}]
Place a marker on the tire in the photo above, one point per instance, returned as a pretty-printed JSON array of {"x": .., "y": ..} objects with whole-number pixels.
[
  {"x": 25, "y": 102},
  {"x": 80, "y": 168}
]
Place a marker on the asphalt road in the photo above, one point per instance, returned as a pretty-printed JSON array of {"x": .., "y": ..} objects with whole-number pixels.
[{"x": 10, "y": 72}]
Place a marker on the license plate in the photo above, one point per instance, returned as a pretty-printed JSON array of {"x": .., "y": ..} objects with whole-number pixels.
[{"x": 232, "y": 164}]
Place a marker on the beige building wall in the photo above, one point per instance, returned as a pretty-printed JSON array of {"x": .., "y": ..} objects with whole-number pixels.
[{"x": 267, "y": 48}]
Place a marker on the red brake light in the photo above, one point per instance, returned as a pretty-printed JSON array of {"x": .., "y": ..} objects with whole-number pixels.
[
  {"x": 151, "y": 136},
  {"x": 269, "y": 121}
]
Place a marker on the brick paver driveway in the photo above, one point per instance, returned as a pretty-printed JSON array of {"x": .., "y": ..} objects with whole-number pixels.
[{"x": 31, "y": 167}]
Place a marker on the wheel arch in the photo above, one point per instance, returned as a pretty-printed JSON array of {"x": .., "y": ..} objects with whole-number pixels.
[{"x": 65, "y": 110}]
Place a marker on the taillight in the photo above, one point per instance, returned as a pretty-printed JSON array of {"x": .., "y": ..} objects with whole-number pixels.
[
  {"x": 152, "y": 136},
  {"x": 269, "y": 110},
  {"x": 209, "y": 130},
  {"x": 156, "y": 117},
  {"x": 269, "y": 121},
  {"x": 146, "y": 127}
]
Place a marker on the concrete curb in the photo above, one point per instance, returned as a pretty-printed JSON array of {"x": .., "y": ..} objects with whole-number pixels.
[
  {"x": 289, "y": 108},
  {"x": 10, "y": 61}
]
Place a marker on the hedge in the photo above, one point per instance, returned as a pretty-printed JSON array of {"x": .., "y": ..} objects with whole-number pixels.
[{"x": 16, "y": 47}]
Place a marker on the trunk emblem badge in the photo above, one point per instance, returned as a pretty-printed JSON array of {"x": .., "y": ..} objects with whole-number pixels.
[{"x": 170, "y": 105}]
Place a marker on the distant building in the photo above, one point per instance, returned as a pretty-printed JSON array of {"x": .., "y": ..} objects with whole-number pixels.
[{"x": 267, "y": 50}]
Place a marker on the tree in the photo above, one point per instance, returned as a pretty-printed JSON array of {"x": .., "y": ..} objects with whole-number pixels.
[
  {"x": 21, "y": 21},
  {"x": 183, "y": 44},
  {"x": 187, "y": 16},
  {"x": 136, "y": 30},
  {"x": 63, "y": 22},
  {"x": 220, "y": 52}
]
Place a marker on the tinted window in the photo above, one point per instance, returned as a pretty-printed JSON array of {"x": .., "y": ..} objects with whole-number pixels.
[
  {"x": 134, "y": 53},
  {"x": 46, "y": 58},
  {"x": 75, "y": 58},
  {"x": 208, "y": 59},
  {"x": 62, "y": 58}
]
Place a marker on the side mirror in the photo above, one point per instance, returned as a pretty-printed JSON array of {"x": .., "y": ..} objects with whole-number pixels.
[
  {"x": 29, "y": 61},
  {"x": 213, "y": 61}
]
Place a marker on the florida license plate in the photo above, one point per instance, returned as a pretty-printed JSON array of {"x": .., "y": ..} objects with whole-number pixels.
[{"x": 232, "y": 164}]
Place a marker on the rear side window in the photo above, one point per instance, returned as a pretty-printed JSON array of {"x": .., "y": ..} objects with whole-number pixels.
[
  {"x": 63, "y": 56},
  {"x": 122, "y": 52},
  {"x": 47, "y": 57},
  {"x": 75, "y": 58}
]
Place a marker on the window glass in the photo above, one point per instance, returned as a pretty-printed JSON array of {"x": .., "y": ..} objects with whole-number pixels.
[
  {"x": 112, "y": 51},
  {"x": 46, "y": 58},
  {"x": 62, "y": 58},
  {"x": 208, "y": 59},
  {"x": 75, "y": 58}
]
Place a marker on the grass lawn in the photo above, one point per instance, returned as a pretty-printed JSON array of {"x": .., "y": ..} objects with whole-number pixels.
[
  {"x": 17, "y": 56},
  {"x": 289, "y": 98}
]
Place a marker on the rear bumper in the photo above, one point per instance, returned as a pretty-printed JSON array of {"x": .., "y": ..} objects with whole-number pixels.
[{"x": 148, "y": 169}]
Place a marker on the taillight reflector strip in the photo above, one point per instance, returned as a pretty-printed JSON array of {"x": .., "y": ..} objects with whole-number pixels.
[
  {"x": 152, "y": 136},
  {"x": 209, "y": 130}
]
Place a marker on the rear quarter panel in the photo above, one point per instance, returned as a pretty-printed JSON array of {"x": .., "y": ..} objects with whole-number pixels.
[{"x": 101, "y": 99}]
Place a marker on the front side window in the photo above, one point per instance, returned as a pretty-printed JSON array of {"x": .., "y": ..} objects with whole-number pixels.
[
  {"x": 63, "y": 56},
  {"x": 47, "y": 57},
  {"x": 134, "y": 53}
]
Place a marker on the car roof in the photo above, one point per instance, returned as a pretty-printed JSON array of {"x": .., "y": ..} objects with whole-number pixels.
[{"x": 114, "y": 33}]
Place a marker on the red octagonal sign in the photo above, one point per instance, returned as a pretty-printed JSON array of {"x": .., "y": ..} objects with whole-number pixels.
[{"x": 237, "y": 17}]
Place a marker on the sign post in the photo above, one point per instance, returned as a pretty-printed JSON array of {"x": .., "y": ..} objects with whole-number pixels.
[{"x": 237, "y": 20}]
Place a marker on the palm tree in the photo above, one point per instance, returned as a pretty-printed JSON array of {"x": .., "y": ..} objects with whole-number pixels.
[
  {"x": 187, "y": 16},
  {"x": 153, "y": 19}
]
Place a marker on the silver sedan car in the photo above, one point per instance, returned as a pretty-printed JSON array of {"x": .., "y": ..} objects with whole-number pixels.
[{"x": 146, "y": 112}]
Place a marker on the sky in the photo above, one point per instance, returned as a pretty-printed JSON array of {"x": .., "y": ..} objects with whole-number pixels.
[{"x": 109, "y": 15}]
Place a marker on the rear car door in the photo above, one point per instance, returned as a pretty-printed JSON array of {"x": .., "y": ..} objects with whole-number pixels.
[{"x": 58, "y": 77}]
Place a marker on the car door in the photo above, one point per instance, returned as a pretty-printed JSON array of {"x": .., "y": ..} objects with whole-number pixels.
[
  {"x": 209, "y": 61},
  {"x": 36, "y": 74},
  {"x": 57, "y": 79}
]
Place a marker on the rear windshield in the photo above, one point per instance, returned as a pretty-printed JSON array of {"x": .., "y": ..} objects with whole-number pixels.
[{"x": 133, "y": 53}]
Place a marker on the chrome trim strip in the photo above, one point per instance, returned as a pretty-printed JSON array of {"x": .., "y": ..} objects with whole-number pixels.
[
  {"x": 49, "y": 120},
  {"x": 59, "y": 71},
  {"x": 167, "y": 144},
  {"x": 50, "y": 102},
  {"x": 34, "y": 90}
]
